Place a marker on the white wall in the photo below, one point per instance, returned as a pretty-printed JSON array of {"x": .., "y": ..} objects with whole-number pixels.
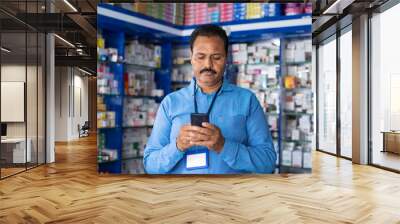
[
  {"x": 34, "y": 125},
  {"x": 71, "y": 92}
]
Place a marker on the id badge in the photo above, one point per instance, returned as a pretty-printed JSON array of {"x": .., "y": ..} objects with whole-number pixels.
[{"x": 197, "y": 159}]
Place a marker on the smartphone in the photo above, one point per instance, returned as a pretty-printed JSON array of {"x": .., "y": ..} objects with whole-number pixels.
[{"x": 197, "y": 118}]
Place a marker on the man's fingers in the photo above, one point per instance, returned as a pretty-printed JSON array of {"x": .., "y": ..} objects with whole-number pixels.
[
  {"x": 198, "y": 136},
  {"x": 207, "y": 144},
  {"x": 209, "y": 125},
  {"x": 202, "y": 130}
]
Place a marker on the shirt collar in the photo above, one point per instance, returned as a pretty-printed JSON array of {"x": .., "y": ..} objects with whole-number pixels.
[{"x": 226, "y": 86}]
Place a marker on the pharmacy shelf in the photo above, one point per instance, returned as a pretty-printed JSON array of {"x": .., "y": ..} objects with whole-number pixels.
[
  {"x": 110, "y": 161},
  {"x": 297, "y": 141},
  {"x": 180, "y": 82},
  {"x": 297, "y": 63},
  {"x": 130, "y": 64},
  {"x": 298, "y": 89},
  {"x": 142, "y": 96},
  {"x": 184, "y": 64},
  {"x": 133, "y": 157},
  {"x": 138, "y": 66},
  {"x": 116, "y": 18},
  {"x": 293, "y": 113},
  {"x": 107, "y": 94},
  {"x": 141, "y": 126},
  {"x": 107, "y": 128},
  {"x": 272, "y": 113},
  {"x": 258, "y": 64},
  {"x": 290, "y": 169}
]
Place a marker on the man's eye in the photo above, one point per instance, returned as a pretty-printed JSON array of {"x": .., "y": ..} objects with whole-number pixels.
[
  {"x": 200, "y": 57},
  {"x": 217, "y": 57}
]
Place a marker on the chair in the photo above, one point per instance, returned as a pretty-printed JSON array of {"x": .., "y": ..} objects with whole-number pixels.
[{"x": 84, "y": 130}]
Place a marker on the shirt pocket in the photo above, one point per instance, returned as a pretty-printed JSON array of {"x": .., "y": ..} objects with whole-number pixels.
[{"x": 233, "y": 127}]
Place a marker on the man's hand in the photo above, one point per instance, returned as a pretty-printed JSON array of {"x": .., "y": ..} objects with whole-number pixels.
[
  {"x": 215, "y": 141},
  {"x": 189, "y": 135},
  {"x": 209, "y": 136}
]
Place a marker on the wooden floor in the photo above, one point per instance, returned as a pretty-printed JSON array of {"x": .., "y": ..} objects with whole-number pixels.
[{"x": 71, "y": 191}]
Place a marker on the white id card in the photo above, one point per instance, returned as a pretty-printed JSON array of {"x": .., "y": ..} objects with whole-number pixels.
[{"x": 197, "y": 160}]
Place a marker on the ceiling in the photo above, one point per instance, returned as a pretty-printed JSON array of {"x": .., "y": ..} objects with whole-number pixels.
[
  {"x": 72, "y": 20},
  {"x": 330, "y": 15}
]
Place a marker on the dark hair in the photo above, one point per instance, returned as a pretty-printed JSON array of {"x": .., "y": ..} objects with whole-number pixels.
[{"x": 209, "y": 30}]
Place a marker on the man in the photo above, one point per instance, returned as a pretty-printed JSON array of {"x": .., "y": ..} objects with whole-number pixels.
[{"x": 235, "y": 140}]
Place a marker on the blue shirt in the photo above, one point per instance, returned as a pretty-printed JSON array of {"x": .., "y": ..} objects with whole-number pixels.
[{"x": 248, "y": 144}]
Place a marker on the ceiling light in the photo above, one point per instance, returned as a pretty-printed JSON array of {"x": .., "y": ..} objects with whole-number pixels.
[
  {"x": 65, "y": 41},
  {"x": 337, "y": 7},
  {"x": 5, "y": 50},
  {"x": 86, "y": 72},
  {"x": 70, "y": 5}
]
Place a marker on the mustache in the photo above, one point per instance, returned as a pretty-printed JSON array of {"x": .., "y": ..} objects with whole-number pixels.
[{"x": 208, "y": 70}]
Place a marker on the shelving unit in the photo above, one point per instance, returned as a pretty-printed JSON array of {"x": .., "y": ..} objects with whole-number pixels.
[
  {"x": 297, "y": 106},
  {"x": 122, "y": 23}
]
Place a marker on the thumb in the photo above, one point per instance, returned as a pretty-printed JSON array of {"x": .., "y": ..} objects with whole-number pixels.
[{"x": 207, "y": 125}]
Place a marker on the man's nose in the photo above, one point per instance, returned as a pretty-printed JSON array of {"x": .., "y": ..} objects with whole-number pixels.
[{"x": 208, "y": 63}]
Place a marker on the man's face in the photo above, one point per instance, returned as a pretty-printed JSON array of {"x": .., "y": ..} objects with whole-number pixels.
[{"x": 208, "y": 60}]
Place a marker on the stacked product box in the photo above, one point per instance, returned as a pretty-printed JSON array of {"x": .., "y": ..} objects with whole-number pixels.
[
  {"x": 299, "y": 101},
  {"x": 189, "y": 15},
  {"x": 201, "y": 13},
  {"x": 239, "y": 53},
  {"x": 105, "y": 119},
  {"x": 271, "y": 9},
  {"x": 107, "y": 54},
  {"x": 182, "y": 74},
  {"x": 139, "y": 82},
  {"x": 178, "y": 13},
  {"x": 298, "y": 51},
  {"x": 139, "y": 112},
  {"x": 261, "y": 52},
  {"x": 213, "y": 12},
  {"x": 104, "y": 154},
  {"x": 296, "y": 156},
  {"x": 134, "y": 142},
  {"x": 181, "y": 55},
  {"x": 298, "y": 76},
  {"x": 106, "y": 83},
  {"x": 308, "y": 8},
  {"x": 143, "y": 54},
  {"x": 253, "y": 11},
  {"x": 134, "y": 166},
  {"x": 294, "y": 9},
  {"x": 226, "y": 12},
  {"x": 239, "y": 11},
  {"x": 169, "y": 12},
  {"x": 257, "y": 76}
]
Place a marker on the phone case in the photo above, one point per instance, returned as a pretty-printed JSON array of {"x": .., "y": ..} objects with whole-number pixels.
[{"x": 197, "y": 118}]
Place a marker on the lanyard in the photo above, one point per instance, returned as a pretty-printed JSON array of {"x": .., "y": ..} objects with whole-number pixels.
[{"x": 212, "y": 102}]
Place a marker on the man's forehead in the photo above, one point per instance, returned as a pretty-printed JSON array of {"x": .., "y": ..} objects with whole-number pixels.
[{"x": 208, "y": 47}]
